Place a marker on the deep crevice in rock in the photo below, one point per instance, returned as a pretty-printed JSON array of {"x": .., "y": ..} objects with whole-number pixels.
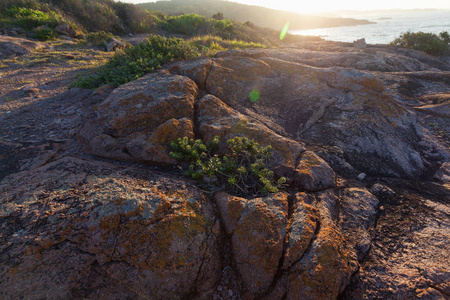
[
  {"x": 228, "y": 280},
  {"x": 280, "y": 270}
]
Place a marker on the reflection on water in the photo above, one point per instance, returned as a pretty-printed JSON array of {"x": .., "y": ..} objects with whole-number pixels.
[{"x": 388, "y": 26}]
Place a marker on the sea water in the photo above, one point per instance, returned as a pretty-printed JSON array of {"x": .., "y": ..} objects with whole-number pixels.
[{"x": 388, "y": 26}]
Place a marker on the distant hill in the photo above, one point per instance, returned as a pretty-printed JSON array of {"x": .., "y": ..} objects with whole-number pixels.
[{"x": 257, "y": 15}]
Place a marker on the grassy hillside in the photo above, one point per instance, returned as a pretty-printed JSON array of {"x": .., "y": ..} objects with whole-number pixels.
[
  {"x": 259, "y": 16},
  {"x": 85, "y": 16},
  {"x": 38, "y": 19}
]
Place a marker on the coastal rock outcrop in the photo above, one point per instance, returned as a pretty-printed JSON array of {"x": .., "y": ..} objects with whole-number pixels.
[
  {"x": 76, "y": 228},
  {"x": 332, "y": 106},
  {"x": 76, "y": 225},
  {"x": 278, "y": 254}
]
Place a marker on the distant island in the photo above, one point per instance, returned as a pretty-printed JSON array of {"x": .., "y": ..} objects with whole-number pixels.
[{"x": 260, "y": 16}]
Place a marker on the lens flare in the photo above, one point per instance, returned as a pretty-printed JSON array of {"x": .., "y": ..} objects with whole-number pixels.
[
  {"x": 254, "y": 95},
  {"x": 284, "y": 31}
]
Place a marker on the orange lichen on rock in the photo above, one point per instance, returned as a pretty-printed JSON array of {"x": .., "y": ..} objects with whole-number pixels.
[
  {"x": 313, "y": 173},
  {"x": 325, "y": 270},
  {"x": 258, "y": 229}
]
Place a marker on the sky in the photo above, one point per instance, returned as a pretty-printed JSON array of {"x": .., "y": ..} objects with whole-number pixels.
[{"x": 315, "y": 6}]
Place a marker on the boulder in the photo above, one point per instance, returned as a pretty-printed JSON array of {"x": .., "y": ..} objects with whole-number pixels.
[
  {"x": 357, "y": 219},
  {"x": 360, "y": 43},
  {"x": 257, "y": 228},
  {"x": 76, "y": 228},
  {"x": 325, "y": 268},
  {"x": 313, "y": 173},
  {"x": 302, "y": 229},
  {"x": 114, "y": 44},
  {"x": 138, "y": 120},
  {"x": 66, "y": 29},
  {"x": 196, "y": 70}
]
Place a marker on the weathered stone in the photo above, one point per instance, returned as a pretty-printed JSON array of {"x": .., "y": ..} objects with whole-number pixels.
[
  {"x": 325, "y": 269},
  {"x": 66, "y": 29},
  {"x": 79, "y": 228},
  {"x": 12, "y": 46},
  {"x": 360, "y": 43},
  {"x": 302, "y": 229},
  {"x": 357, "y": 219},
  {"x": 361, "y": 176},
  {"x": 114, "y": 45},
  {"x": 258, "y": 229},
  {"x": 351, "y": 105},
  {"x": 313, "y": 173},
  {"x": 139, "y": 119},
  {"x": 155, "y": 147},
  {"x": 441, "y": 109},
  {"x": 196, "y": 70},
  {"x": 443, "y": 174},
  {"x": 76, "y": 228},
  {"x": 371, "y": 58},
  {"x": 409, "y": 253}
]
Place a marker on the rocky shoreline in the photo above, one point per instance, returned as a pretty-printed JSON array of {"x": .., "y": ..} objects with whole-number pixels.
[{"x": 92, "y": 205}]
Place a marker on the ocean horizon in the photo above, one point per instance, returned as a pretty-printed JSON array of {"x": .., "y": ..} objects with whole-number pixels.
[{"x": 387, "y": 26}]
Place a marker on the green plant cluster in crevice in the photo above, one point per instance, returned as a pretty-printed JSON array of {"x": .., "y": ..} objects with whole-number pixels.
[{"x": 243, "y": 170}]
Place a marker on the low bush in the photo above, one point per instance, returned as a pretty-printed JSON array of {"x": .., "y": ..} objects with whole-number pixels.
[
  {"x": 98, "y": 38},
  {"x": 242, "y": 171},
  {"x": 209, "y": 45},
  {"x": 43, "y": 34},
  {"x": 29, "y": 19},
  {"x": 134, "y": 62},
  {"x": 193, "y": 24},
  {"x": 428, "y": 42}
]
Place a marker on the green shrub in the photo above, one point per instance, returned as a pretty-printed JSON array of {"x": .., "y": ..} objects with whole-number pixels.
[
  {"x": 193, "y": 24},
  {"x": 29, "y": 19},
  {"x": 43, "y": 34},
  {"x": 243, "y": 170},
  {"x": 428, "y": 42},
  {"x": 98, "y": 38},
  {"x": 134, "y": 62}
]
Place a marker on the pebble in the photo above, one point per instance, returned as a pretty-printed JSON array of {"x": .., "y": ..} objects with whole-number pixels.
[{"x": 361, "y": 176}]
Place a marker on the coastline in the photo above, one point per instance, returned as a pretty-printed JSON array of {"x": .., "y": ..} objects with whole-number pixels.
[{"x": 386, "y": 26}]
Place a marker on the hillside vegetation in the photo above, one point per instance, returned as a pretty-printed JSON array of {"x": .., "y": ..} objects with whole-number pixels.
[
  {"x": 260, "y": 16},
  {"x": 85, "y": 16},
  {"x": 424, "y": 41}
]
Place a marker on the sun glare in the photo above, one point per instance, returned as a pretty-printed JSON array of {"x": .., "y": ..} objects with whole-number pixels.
[{"x": 331, "y": 5}]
